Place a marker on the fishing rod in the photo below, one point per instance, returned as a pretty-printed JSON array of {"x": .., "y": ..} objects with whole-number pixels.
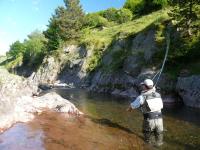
[{"x": 164, "y": 61}]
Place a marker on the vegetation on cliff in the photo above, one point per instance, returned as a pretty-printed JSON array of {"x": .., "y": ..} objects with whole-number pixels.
[{"x": 98, "y": 31}]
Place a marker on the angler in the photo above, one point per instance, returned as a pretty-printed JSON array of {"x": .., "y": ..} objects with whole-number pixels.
[{"x": 150, "y": 104}]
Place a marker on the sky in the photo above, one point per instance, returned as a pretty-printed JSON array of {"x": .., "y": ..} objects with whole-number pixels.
[{"x": 18, "y": 18}]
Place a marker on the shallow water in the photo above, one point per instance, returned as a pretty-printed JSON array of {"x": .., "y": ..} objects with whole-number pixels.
[{"x": 106, "y": 126}]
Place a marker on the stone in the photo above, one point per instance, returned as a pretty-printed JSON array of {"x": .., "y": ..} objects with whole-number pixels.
[
  {"x": 19, "y": 101},
  {"x": 145, "y": 43},
  {"x": 132, "y": 65},
  {"x": 189, "y": 90}
]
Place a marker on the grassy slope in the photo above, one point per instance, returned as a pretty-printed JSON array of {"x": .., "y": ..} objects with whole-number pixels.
[
  {"x": 101, "y": 39},
  {"x": 107, "y": 35}
]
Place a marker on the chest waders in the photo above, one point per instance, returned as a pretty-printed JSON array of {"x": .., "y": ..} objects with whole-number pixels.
[{"x": 153, "y": 123}]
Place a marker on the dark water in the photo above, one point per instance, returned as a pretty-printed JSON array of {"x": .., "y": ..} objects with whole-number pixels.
[{"x": 106, "y": 126}]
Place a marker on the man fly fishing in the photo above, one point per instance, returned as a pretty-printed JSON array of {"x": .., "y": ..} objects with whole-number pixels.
[{"x": 150, "y": 104}]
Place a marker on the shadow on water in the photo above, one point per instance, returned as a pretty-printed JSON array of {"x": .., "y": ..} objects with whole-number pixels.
[{"x": 107, "y": 122}]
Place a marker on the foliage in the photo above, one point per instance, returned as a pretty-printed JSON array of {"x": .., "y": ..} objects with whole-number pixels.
[
  {"x": 107, "y": 35},
  {"x": 134, "y": 5},
  {"x": 99, "y": 41},
  {"x": 110, "y": 14},
  {"x": 124, "y": 15},
  {"x": 18, "y": 61},
  {"x": 94, "y": 60},
  {"x": 53, "y": 31},
  {"x": 65, "y": 24},
  {"x": 185, "y": 13},
  {"x": 117, "y": 15},
  {"x": 152, "y": 5},
  {"x": 16, "y": 49},
  {"x": 30, "y": 52},
  {"x": 144, "y": 6},
  {"x": 35, "y": 48},
  {"x": 95, "y": 20}
]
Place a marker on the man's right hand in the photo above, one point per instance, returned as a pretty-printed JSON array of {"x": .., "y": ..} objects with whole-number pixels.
[{"x": 129, "y": 109}]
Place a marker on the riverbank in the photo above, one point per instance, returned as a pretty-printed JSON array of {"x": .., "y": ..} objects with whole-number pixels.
[{"x": 19, "y": 102}]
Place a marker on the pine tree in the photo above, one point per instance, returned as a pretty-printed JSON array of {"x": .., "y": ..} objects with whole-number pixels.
[
  {"x": 71, "y": 21},
  {"x": 65, "y": 24}
]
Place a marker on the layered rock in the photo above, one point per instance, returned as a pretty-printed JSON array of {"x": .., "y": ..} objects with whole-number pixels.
[{"x": 189, "y": 90}]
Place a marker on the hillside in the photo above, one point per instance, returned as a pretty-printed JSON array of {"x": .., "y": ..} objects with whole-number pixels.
[{"x": 115, "y": 58}]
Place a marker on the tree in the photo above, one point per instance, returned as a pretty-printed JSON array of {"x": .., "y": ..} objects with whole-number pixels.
[
  {"x": 34, "y": 47},
  {"x": 184, "y": 13},
  {"x": 134, "y": 5},
  {"x": 53, "y": 31},
  {"x": 65, "y": 24},
  {"x": 152, "y": 5},
  {"x": 71, "y": 21},
  {"x": 110, "y": 14},
  {"x": 16, "y": 49}
]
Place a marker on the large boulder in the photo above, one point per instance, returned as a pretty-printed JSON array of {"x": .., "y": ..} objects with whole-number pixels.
[
  {"x": 108, "y": 82},
  {"x": 18, "y": 104},
  {"x": 189, "y": 90}
]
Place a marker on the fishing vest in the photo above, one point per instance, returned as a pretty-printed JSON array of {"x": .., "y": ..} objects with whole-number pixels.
[{"x": 152, "y": 102}]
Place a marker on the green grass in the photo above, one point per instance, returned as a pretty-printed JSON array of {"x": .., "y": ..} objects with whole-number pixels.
[
  {"x": 100, "y": 40},
  {"x": 124, "y": 30}
]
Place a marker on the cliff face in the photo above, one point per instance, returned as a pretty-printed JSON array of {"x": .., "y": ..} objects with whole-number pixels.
[{"x": 123, "y": 65}]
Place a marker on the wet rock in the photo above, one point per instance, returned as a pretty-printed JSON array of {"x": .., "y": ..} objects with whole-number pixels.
[
  {"x": 130, "y": 93},
  {"x": 116, "y": 92},
  {"x": 189, "y": 90}
]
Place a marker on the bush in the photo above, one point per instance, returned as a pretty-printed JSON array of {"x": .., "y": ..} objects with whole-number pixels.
[
  {"x": 16, "y": 49},
  {"x": 110, "y": 14},
  {"x": 135, "y": 6},
  {"x": 117, "y": 15},
  {"x": 95, "y": 20},
  {"x": 144, "y": 6},
  {"x": 124, "y": 15}
]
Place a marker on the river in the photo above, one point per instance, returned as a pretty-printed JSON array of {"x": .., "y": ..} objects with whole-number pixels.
[{"x": 106, "y": 125}]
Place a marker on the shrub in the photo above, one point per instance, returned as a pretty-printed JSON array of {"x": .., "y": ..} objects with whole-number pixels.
[
  {"x": 124, "y": 15},
  {"x": 95, "y": 20},
  {"x": 110, "y": 14},
  {"x": 135, "y": 6},
  {"x": 144, "y": 6}
]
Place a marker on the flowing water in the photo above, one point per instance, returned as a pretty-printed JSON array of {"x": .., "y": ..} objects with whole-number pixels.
[{"x": 106, "y": 125}]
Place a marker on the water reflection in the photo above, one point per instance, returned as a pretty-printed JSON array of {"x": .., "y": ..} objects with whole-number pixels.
[{"x": 22, "y": 137}]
